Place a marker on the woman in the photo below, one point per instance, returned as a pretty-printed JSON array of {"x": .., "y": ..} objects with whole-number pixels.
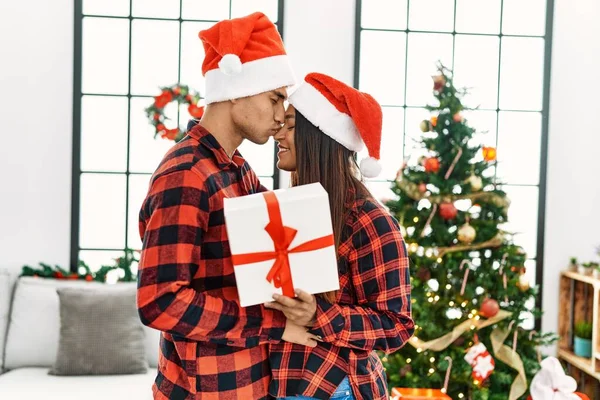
[{"x": 371, "y": 311}]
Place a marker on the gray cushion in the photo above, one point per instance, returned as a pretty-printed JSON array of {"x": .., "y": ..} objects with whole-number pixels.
[{"x": 100, "y": 333}]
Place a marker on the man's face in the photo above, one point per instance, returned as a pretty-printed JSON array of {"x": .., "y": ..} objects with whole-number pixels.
[{"x": 259, "y": 117}]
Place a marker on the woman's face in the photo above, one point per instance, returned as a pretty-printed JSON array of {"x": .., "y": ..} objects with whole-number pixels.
[{"x": 285, "y": 140}]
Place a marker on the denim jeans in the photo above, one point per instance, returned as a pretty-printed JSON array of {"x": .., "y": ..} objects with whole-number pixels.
[{"x": 343, "y": 392}]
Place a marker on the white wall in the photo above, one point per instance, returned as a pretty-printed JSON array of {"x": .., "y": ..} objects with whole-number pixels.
[
  {"x": 319, "y": 37},
  {"x": 36, "y": 75},
  {"x": 573, "y": 197}
]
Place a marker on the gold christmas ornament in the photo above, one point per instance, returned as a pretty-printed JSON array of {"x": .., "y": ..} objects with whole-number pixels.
[
  {"x": 466, "y": 234},
  {"x": 476, "y": 182},
  {"x": 425, "y": 126},
  {"x": 523, "y": 283}
]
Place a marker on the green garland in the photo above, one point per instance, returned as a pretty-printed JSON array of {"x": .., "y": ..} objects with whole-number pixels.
[{"x": 84, "y": 272}]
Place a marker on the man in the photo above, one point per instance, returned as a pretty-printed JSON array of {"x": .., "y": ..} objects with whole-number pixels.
[{"x": 210, "y": 347}]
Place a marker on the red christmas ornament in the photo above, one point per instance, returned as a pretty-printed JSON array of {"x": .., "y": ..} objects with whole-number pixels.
[
  {"x": 448, "y": 211},
  {"x": 457, "y": 117},
  {"x": 439, "y": 82},
  {"x": 431, "y": 164},
  {"x": 424, "y": 274},
  {"x": 188, "y": 98},
  {"x": 196, "y": 111},
  {"x": 489, "y": 308},
  {"x": 160, "y": 127},
  {"x": 422, "y": 187},
  {"x": 88, "y": 278},
  {"x": 59, "y": 275},
  {"x": 177, "y": 90},
  {"x": 156, "y": 117}
]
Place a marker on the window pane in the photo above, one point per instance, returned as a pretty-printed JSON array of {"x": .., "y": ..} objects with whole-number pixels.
[
  {"x": 431, "y": 15},
  {"x": 154, "y": 53},
  {"x": 156, "y": 8},
  {"x": 523, "y": 216},
  {"x": 384, "y": 14},
  {"x": 381, "y": 190},
  {"x": 524, "y": 17},
  {"x": 145, "y": 152},
  {"x": 266, "y": 182},
  {"x": 192, "y": 55},
  {"x": 105, "y": 39},
  {"x": 519, "y": 143},
  {"x": 103, "y": 147},
  {"x": 184, "y": 115},
  {"x": 102, "y": 211},
  {"x": 212, "y": 10},
  {"x": 240, "y": 8},
  {"x": 476, "y": 16},
  {"x": 422, "y": 61},
  {"x": 260, "y": 157},
  {"x": 106, "y": 7},
  {"x": 476, "y": 67},
  {"x": 522, "y": 73},
  {"x": 138, "y": 188},
  {"x": 381, "y": 69},
  {"x": 391, "y": 143},
  {"x": 484, "y": 122}
]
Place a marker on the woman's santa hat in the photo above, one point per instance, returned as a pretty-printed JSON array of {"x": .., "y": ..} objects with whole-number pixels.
[
  {"x": 244, "y": 57},
  {"x": 350, "y": 117}
]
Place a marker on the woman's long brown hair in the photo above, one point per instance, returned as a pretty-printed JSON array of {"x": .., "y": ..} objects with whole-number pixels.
[{"x": 321, "y": 159}]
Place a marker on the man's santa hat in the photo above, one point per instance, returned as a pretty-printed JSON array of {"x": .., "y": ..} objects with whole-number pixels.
[
  {"x": 350, "y": 117},
  {"x": 244, "y": 57}
]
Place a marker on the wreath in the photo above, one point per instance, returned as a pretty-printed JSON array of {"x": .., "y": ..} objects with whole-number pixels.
[{"x": 182, "y": 94}]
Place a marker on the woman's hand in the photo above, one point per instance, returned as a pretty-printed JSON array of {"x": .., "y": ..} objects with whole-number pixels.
[
  {"x": 299, "y": 334},
  {"x": 301, "y": 310}
]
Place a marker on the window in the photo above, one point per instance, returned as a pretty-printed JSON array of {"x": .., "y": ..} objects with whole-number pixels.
[
  {"x": 125, "y": 51},
  {"x": 501, "y": 49}
]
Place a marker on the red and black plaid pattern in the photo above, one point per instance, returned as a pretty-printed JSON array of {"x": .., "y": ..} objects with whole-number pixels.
[
  {"x": 210, "y": 348},
  {"x": 372, "y": 312}
]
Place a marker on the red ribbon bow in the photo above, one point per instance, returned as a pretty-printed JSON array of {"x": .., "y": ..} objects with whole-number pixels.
[{"x": 280, "y": 274}]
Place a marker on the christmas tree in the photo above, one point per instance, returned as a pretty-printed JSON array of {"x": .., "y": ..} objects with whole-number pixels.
[{"x": 470, "y": 294}]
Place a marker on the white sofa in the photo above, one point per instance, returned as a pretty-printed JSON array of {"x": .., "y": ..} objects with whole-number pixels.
[{"x": 29, "y": 335}]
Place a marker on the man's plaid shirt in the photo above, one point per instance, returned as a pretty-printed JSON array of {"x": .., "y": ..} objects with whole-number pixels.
[
  {"x": 372, "y": 312},
  {"x": 210, "y": 347}
]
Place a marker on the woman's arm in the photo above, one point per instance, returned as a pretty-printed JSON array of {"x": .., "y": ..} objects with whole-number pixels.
[{"x": 382, "y": 318}]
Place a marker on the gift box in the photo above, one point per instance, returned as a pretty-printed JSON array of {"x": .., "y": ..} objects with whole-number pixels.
[
  {"x": 419, "y": 394},
  {"x": 281, "y": 240}
]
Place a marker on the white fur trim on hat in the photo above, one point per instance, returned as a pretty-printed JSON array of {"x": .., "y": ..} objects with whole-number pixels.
[
  {"x": 322, "y": 114},
  {"x": 370, "y": 167},
  {"x": 255, "y": 77},
  {"x": 230, "y": 64}
]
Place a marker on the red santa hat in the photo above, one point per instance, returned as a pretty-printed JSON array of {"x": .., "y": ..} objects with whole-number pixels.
[
  {"x": 350, "y": 117},
  {"x": 244, "y": 57}
]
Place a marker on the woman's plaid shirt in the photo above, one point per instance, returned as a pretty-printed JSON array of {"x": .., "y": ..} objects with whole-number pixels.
[
  {"x": 210, "y": 347},
  {"x": 372, "y": 312}
]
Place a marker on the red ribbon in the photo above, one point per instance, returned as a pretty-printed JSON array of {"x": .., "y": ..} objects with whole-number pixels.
[{"x": 280, "y": 274}]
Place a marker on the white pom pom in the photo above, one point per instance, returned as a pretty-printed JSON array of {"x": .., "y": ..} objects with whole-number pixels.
[
  {"x": 230, "y": 64},
  {"x": 370, "y": 167}
]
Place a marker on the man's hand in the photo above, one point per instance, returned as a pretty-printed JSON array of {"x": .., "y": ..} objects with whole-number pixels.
[
  {"x": 301, "y": 310},
  {"x": 298, "y": 334}
]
